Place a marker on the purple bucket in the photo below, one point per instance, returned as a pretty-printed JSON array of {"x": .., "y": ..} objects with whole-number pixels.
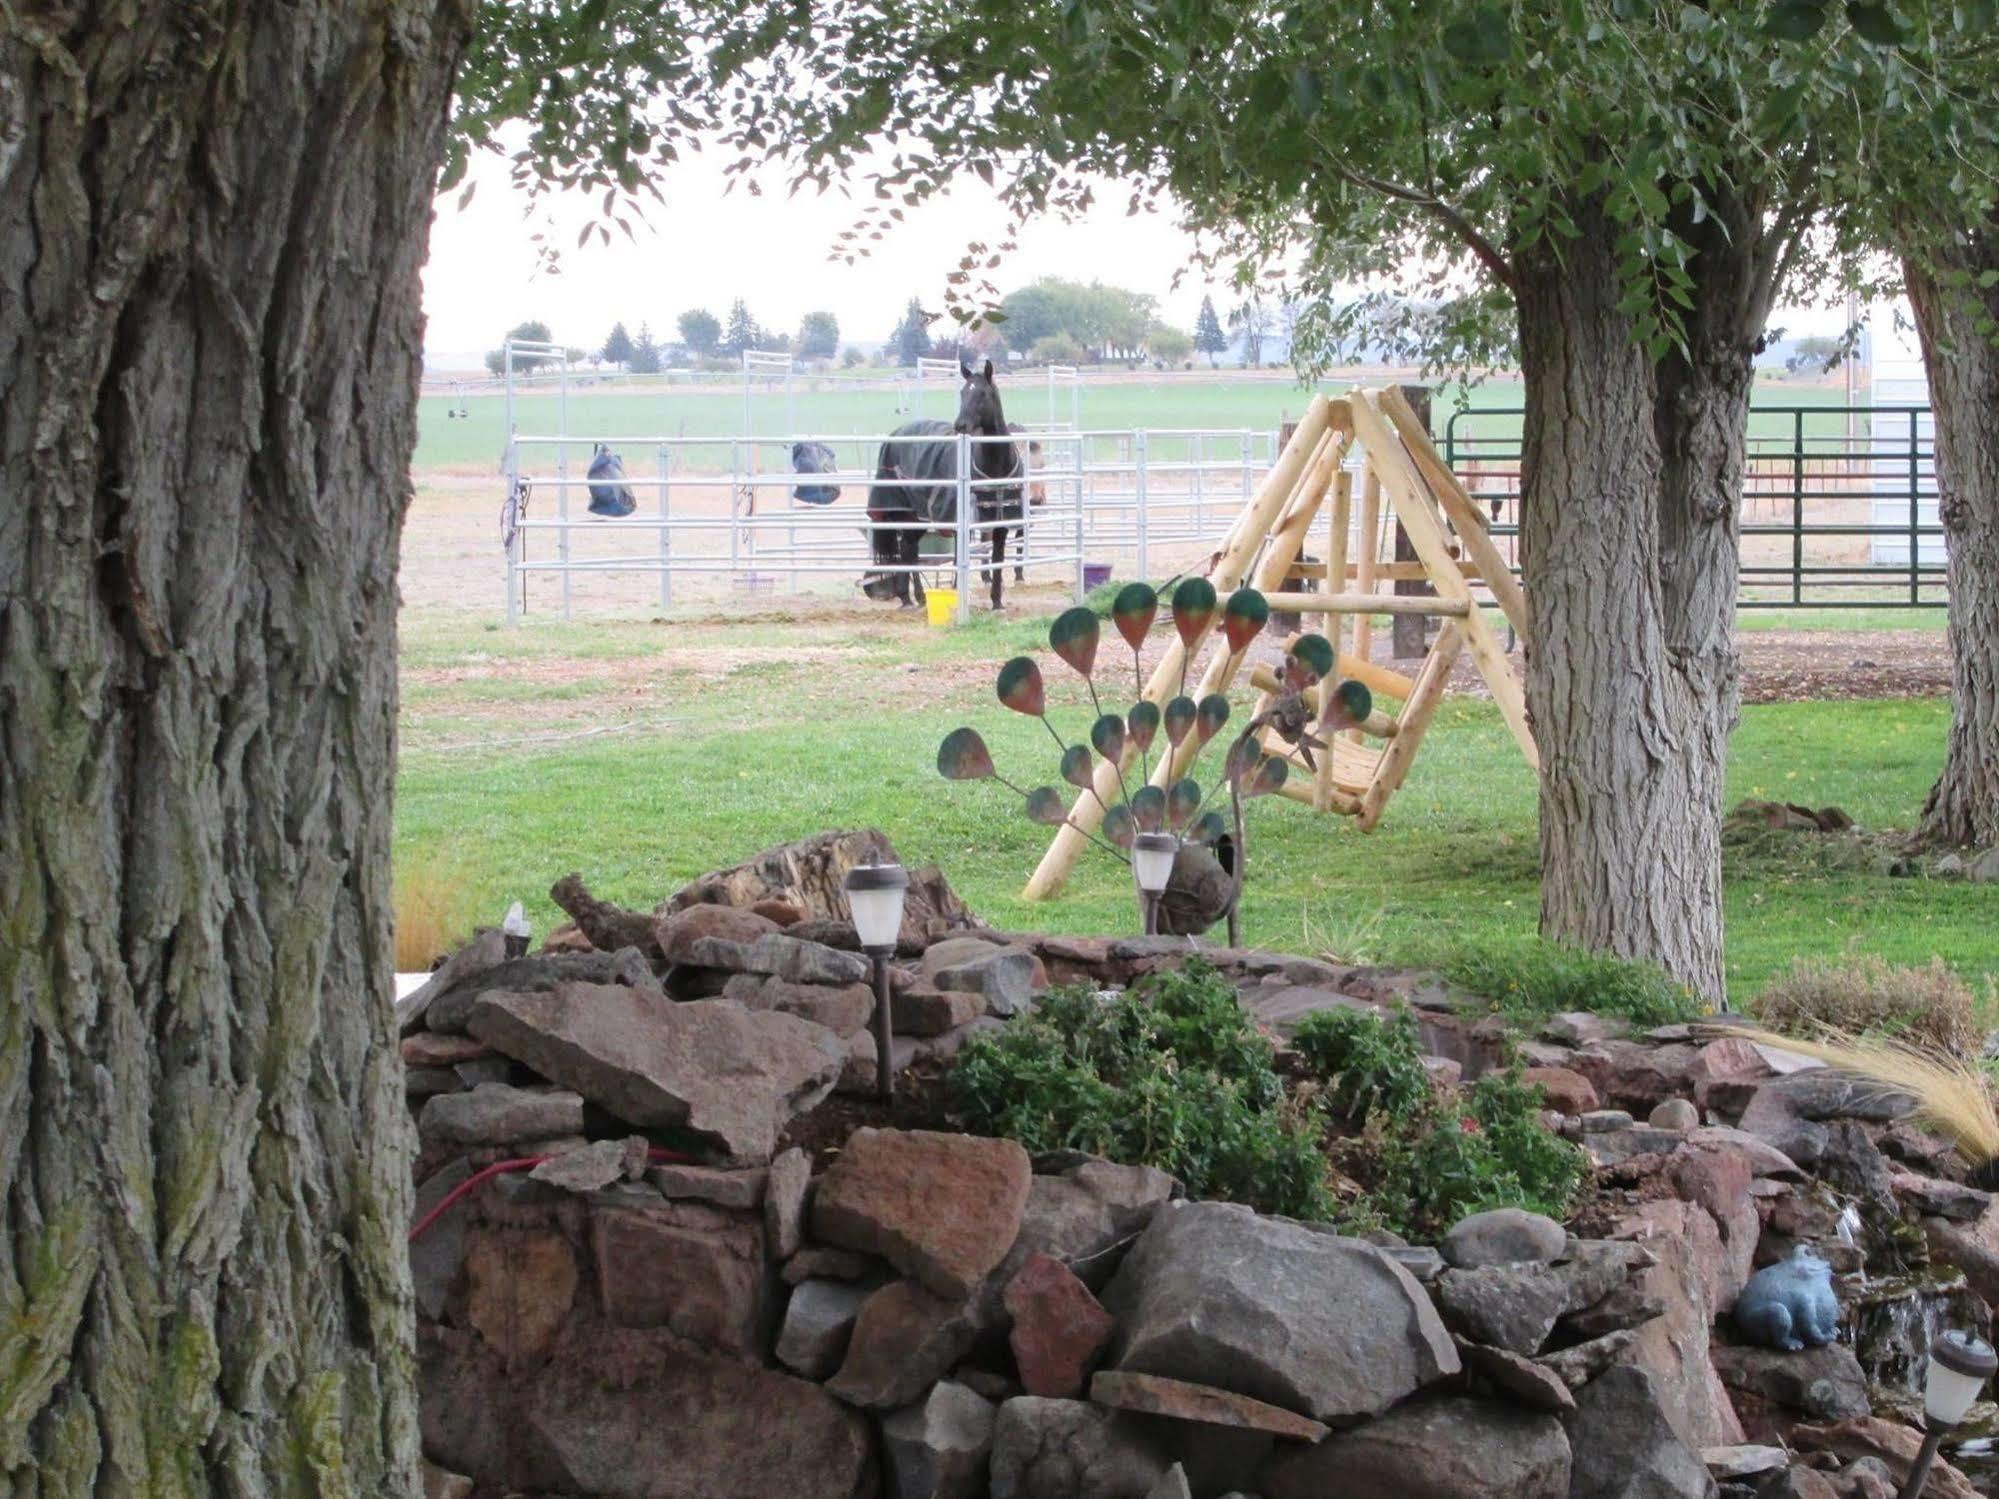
[{"x": 1095, "y": 575}]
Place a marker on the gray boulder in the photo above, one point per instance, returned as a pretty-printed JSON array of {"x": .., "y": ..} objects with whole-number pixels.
[
  {"x": 1452, "y": 1448},
  {"x": 1326, "y": 1326},
  {"x": 1515, "y": 1307},
  {"x": 1624, "y": 1446},
  {"x": 937, "y": 1448},
  {"x": 495, "y": 1114},
  {"x": 1005, "y": 980},
  {"x": 818, "y": 1321},
  {"x": 1504, "y": 1236},
  {"x": 710, "y": 1066},
  {"x": 452, "y": 1008},
  {"x": 1070, "y": 1449}
]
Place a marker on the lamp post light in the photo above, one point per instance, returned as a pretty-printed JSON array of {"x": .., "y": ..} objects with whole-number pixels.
[
  {"x": 515, "y": 931},
  {"x": 874, "y": 898},
  {"x": 1959, "y": 1367},
  {"x": 1152, "y": 857}
]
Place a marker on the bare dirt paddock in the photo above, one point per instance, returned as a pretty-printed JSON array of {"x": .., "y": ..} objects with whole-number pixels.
[{"x": 453, "y": 568}]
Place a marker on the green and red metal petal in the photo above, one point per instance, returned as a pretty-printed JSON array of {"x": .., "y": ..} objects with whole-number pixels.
[
  {"x": 1183, "y": 799},
  {"x": 963, "y": 756},
  {"x": 1133, "y": 611},
  {"x": 1193, "y": 608},
  {"x": 1148, "y": 808},
  {"x": 1044, "y": 805},
  {"x": 1179, "y": 719},
  {"x": 1209, "y": 717},
  {"x": 1119, "y": 826},
  {"x": 1270, "y": 776},
  {"x": 1107, "y": 734},
  {"x": 1076, "y": 767},
  {"x": 1241, "y": 758},
  {"x": 1073, "y": 636},
  {"x": 1315, "y": 652},
  {"x": 1019, "y": 687},
  {"x": 1208, "y": 828},
  {"x": 1244, "y": 617},
  {"x": 1347, "y": 705},
  {"x": 1141, "y": 725}
]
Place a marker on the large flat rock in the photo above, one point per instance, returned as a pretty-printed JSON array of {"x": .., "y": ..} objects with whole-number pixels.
[
  {"x": 1328, "y": 1327},
  {"x": 1453, "y": 1448},
  {"x": 710, "y": 1066},
  {"x": 942, "y": 1208}
]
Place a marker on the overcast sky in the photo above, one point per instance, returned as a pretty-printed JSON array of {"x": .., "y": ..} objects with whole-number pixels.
[{"x": 703, "y": 248}]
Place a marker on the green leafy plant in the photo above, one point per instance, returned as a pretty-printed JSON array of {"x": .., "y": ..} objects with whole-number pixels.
[
  {"x": 1531, "y": 980},
  {"x": 1490, "y": 1151},
  {"x": 1372, "y": 1065},
  {"x": 1170, "y": 1074}
]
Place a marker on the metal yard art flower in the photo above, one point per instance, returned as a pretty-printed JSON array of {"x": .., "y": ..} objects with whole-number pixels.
[{"x": 1165, "y": 802}]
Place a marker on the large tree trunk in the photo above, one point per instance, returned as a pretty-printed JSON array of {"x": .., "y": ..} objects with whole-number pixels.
[
  {"x": 1954, "y": 319},
  {"x": 1632, "y": 471},
  {"x": 211, "y": 222}
]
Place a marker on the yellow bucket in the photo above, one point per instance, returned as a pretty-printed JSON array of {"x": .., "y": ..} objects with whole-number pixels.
[{"x": 942, "y": 604}]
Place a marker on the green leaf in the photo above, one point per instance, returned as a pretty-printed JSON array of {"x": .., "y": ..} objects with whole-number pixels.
[
  {"x": 1796, "y": 20},
  {"x": 1480, "y": 38},
  {"x": 1875, "y": 23}
]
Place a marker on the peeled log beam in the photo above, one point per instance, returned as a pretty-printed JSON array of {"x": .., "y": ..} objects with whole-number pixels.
[{"x": 1368, "y": 603}]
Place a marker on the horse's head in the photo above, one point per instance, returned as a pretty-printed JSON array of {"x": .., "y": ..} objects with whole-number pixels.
[{"x": 979, "y": 411}]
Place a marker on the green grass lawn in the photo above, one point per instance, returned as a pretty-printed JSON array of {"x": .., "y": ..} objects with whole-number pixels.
[
  {"x": 826, "y": 407},
  {"x": 706, "y": 770}
]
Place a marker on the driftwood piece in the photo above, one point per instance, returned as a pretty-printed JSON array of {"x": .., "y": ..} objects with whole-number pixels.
[
  {"x": 608, "y": 926},
  {"x": 810, "y": 874}
]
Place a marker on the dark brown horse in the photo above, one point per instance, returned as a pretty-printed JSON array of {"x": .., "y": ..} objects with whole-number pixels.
[{"x": 923, "y": 450}]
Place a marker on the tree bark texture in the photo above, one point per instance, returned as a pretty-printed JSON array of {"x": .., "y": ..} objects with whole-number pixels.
[
  {"x": 1632, "y": 477},
  {"x": 1955, "y": 320},
  {"x": 212, "y": 216}
]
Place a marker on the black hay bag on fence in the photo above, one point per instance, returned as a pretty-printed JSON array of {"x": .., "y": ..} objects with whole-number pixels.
[
  {"x": 607, "y": 496},
  {"x": 814, "y": 458}
]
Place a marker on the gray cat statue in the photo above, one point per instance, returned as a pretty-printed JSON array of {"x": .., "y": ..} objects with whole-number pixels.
[{"x": 1790, "y": 1305}]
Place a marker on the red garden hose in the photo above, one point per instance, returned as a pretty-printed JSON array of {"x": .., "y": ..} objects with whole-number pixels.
[{"x": 501, "y": 1168}]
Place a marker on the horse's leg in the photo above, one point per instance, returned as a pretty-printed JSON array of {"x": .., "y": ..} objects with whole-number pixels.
[
  {"x": 997, "y": 572},
  {"x": 911, "y": 548}
]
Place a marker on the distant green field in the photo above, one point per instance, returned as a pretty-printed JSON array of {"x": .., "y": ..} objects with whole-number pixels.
[{"x": 478, "y": 439}]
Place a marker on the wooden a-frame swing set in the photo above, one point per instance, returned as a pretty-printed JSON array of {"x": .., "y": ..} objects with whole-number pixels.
[{"x": 1402, "y": 479}]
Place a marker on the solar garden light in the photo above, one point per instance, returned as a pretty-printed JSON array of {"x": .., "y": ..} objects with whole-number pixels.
[
  {"x": 875, "y": 894},
  {"x": 516, "y": 931},
  {"x": 1959, "y": 1367},
  {"x": 1152, "y": 866}
]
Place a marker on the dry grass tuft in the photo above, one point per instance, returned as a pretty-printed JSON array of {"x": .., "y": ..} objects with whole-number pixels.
[
  {"x": 433, "y": 906},
  {"x": 1930, "y": 1007},
  {"x": 1952, "y": 1095}
]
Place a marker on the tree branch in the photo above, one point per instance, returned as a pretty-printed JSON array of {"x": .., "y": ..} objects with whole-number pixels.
[{"x": 1487, "y": 252}]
